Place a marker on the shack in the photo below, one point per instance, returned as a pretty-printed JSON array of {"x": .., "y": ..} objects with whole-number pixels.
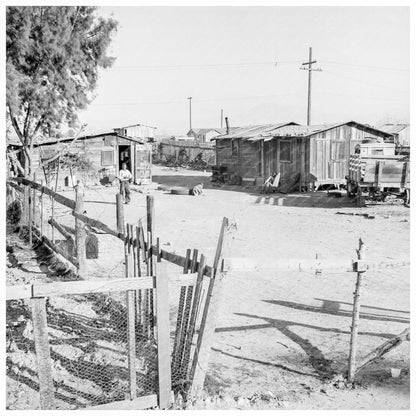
[
  {"x": 308, "y": 155},
  {"x": 105, "y": 153}
]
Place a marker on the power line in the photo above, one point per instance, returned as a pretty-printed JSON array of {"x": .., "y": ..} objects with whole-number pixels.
[
  {"x": 275, "y": 63},
  {"x": 201, "y": 66},
  {"x": 197, "y": 100}
]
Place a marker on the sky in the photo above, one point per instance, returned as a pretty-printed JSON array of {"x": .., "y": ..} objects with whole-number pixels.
[{"x": 246, "y": 61}]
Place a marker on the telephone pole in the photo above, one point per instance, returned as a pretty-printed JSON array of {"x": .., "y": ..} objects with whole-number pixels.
[
  {"x": 190, "y": 113},
  {"x": 309, "y": 69}
]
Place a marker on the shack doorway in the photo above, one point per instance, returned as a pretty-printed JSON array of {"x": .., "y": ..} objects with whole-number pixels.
[{"x": 124, "y": 156}]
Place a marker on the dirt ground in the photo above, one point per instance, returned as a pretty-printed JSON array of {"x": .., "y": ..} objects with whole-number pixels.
[{"x": 284, "y": 333}]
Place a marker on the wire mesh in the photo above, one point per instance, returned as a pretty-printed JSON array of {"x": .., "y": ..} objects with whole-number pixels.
[{"x": 88, "y": 347}]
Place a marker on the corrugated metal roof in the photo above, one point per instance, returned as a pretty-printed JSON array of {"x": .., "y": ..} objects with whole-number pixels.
[
  {"x": 46, "y": 141},
  {"x": 296, "y": 131},
  {"x": 393, "y": 128},
  {"x": 306, "y": 131},
  {"x": 252, "y": 133}
]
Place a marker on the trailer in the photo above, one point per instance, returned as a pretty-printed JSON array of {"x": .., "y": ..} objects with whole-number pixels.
[{"x": 379, "y": 178}]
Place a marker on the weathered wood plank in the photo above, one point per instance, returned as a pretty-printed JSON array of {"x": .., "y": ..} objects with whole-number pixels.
[
  {"x": 163, "y": 336},
  {"x": 44, "y": 189},
  {"x": 131, "y": 323},
  {"x": 242, "y": 264},
  {"x": 43, "y": 356},
  {"x": 141, "y": 403},
  {"x": 45, "y": 240},
  {"x": 383, "y": 349},
  {"x": 61, "y": 229},
  {"x": 208, "y": 321},
  {"x": 78, "y": 287},
  {"x": 97, "y": 224}
]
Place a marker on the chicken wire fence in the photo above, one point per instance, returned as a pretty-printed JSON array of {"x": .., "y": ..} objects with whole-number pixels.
[{"x": 88, "y": 348}]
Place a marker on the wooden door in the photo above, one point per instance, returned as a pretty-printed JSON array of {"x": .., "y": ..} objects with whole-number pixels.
[
  {"x": 323, "y": 148},
  {"x": 338, "y": 160}
]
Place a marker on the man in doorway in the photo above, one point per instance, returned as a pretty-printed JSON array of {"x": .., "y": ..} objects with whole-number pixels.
[{"x": 125, "y": 178}]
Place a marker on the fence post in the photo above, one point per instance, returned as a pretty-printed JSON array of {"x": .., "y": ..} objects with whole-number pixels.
[
  {"x": 80, "y": 233},
  {"x": 41, "y": 210},
  {"x": 120, "y": 213},
  {"x": 43, "y": 356},
  {"x": 150, "y": 208},
  {"x": 131, "y": 315},
  {"x": 163, "y": 337},
  {"x": 356, "y": 315},
  {"x": 30, "y": 203},
  {"x": 33, "y": 202},
  {"x": 25, "y": 206}
]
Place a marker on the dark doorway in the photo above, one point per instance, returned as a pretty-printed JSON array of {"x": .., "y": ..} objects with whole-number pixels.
[{"x": 124, "y": 156}]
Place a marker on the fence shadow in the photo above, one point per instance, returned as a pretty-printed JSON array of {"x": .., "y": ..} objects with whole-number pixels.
[{"x": 330, "y": 307}]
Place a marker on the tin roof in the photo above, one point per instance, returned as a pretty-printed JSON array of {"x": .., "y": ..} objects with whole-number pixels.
[
  {"x": 252, "y": 133},
  {"x": 306, "y": 131},
  {"x": 43, "y": 141}
]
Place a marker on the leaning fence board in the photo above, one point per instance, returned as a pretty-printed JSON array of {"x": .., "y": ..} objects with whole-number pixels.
[
  {"x": 383, "y": 349},
  {"x": 141, "y": 403},
  {"x": 208, "y": 321},
  {"x": 97, "y": 224},
  {"x": 15, "y": 186},
  {"x": 61, "y": 229},
  {"x": 193, "y": 317},
  {"x": 45, "y": 240},
  {"x": 43, "y": 355},
  {"x": 78, "y": 287},
  {"x": 63, "y": 200}
]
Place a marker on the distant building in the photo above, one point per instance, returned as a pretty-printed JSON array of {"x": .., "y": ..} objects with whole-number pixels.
[
  {"x": 401, "y": 132},
  {"x": 205, "y": 134},
  {"x": 138, "y": 131}
]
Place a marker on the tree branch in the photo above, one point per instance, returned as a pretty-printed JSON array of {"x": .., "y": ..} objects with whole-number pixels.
[
  {"x": 25, "y": 126},
  {"x": 65, "y": 148},
  {"x": 16, "y": 127}
]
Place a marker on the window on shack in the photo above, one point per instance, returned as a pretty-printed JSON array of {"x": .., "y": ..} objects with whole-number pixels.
[
  {"x": 234, "y": 147},
  {"x": 107, "y": 157},
  {"x": 285, "y": 154}
]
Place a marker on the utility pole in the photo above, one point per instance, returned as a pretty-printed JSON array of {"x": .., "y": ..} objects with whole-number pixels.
[
  {"x": 222, "y": 115},
  {"x": 309, "y": 69},
  {"x": 190, "y": 113}
]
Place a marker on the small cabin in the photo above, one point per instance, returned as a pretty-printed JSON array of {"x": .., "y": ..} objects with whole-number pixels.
[
  {"x": 315, "y": 155},
  {"x": 105, "y": 152}
]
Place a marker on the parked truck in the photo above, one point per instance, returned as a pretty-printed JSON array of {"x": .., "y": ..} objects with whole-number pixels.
[{"x": 376, "y": 173}]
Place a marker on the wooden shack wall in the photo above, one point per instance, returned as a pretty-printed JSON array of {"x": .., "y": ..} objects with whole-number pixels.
[
  {"x": 249, "y": 165},
  {"x": 92, "y": 149},
  {"x": 224, "y": 156},
  {"x": 330, "y": 151}
]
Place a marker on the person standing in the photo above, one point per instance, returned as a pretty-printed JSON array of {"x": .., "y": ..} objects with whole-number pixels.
[{"x": 125, "y": 178}]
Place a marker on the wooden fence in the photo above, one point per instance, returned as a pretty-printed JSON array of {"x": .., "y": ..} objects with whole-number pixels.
[
  {"x": 359, "y": 266},
  {"x": 181, "y": 368}
]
